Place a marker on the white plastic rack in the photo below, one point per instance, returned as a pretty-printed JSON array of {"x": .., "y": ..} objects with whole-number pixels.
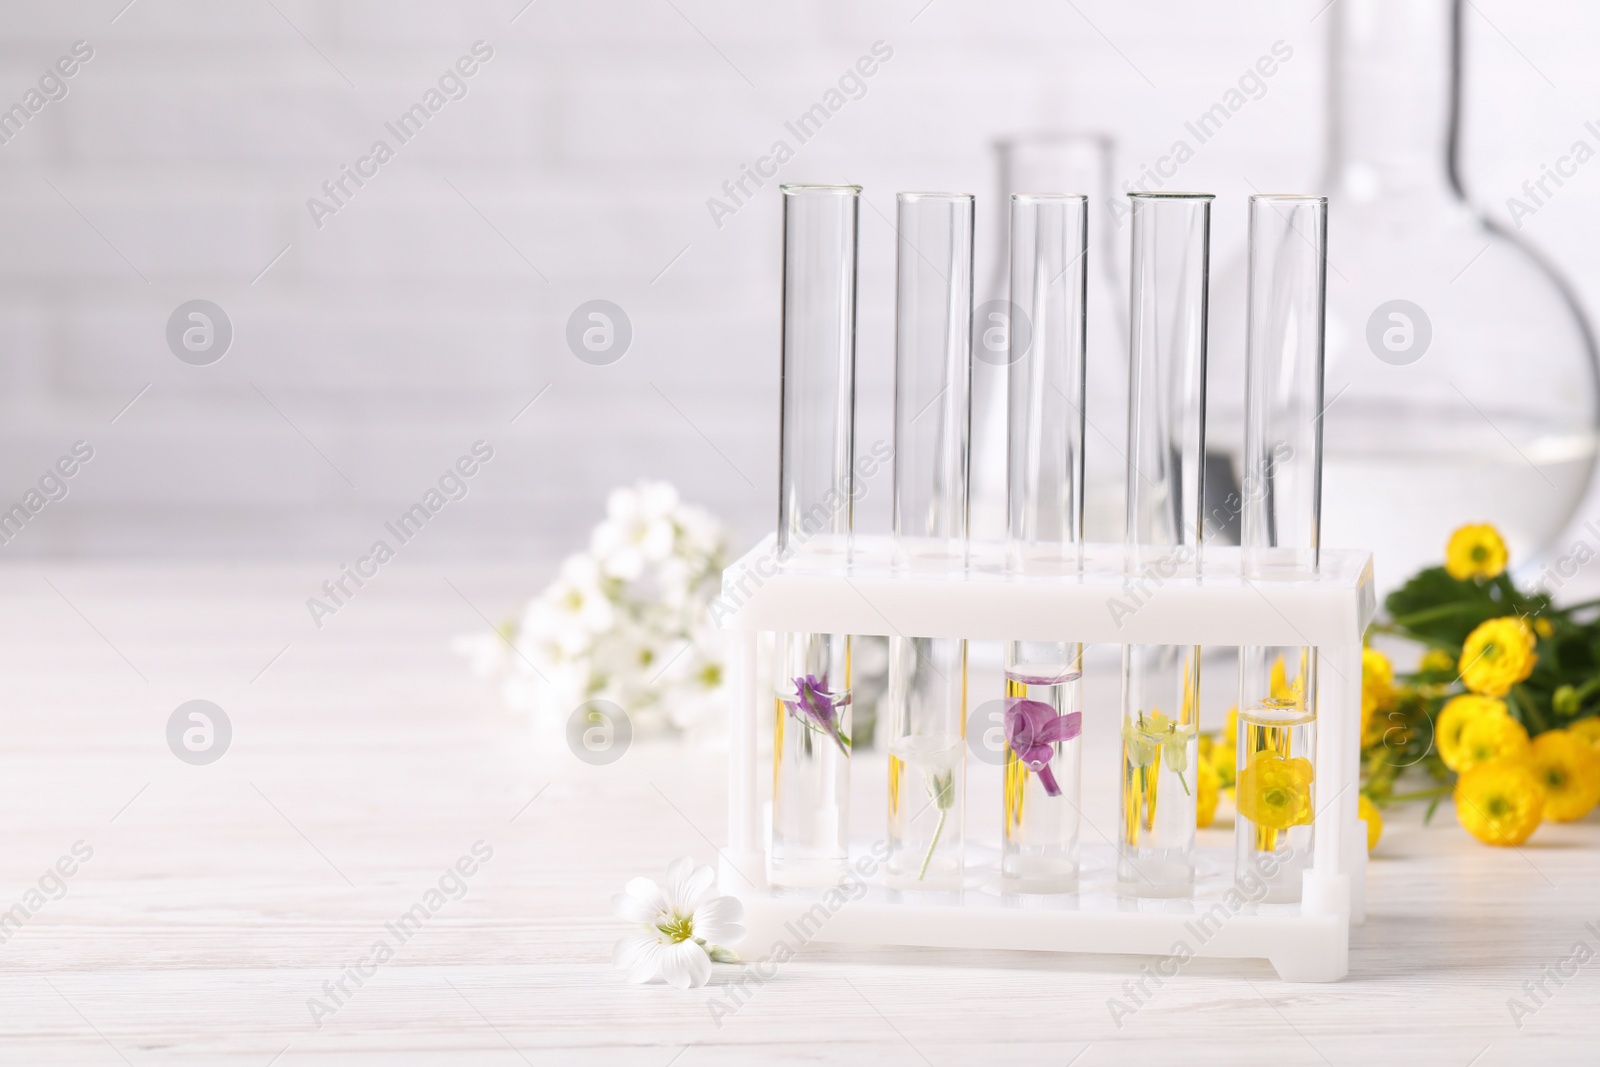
[{"x": 1305, "y": 942}]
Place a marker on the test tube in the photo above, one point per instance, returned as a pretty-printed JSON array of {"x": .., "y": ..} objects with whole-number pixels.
[
  {"x": 927, "y": 691},
  {"x": 811, "y": 743},
  {"x": 1045, "y": 464},
  {"x": 1281, "y": 493},
  {"x": 1166, "y": 465}
]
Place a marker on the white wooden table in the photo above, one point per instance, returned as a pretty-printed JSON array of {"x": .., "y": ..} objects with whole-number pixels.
[{"x": 365, "y": 762}]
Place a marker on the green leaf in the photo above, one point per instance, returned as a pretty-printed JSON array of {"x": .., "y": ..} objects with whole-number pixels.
[{"x": 1435, "y": 607}]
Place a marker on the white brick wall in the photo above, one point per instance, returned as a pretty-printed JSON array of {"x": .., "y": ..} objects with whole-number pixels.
[{"x": 409, "y": 326}]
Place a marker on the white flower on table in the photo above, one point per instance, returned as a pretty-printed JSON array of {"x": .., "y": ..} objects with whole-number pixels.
[{"x": 682, "y": 928}]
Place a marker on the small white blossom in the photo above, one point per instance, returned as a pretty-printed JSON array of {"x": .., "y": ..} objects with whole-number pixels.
[
  {"x": 627, "y": 621},
  {"x": 638, "y": 530},
  {"x": 681, "y": 927}
]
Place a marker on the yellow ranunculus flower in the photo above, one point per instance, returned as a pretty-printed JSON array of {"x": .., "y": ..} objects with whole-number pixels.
[
  {"x": 1569, "y": 769},
  {"x": 1224, "y": 758},
  {"x": 1369, "y": 813},
  {"x": 1498, "y": 655},
  {"x": 1275, "y": 792},
  {"x": 1377, "y": 691},
  {"x": 1544, "y": 627},
  {"x": 1588, "y": 729},
  {"x": 1501, "y": 802},
  {"x": 1453, "y": 719},
  {"x": 1475, "y": 551},
  {"x": 1437, "y": 659},
  {"x": 1486, "y": 738},
  {"x": 1205, "y": 801}
]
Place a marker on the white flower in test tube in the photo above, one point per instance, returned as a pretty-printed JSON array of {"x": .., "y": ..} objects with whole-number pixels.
[
  {"x": 638, "y": 531},
  {"x": 681, "y": 927}
]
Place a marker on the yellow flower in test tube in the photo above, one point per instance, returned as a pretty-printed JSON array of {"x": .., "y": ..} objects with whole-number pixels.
[
  {"x": 1475, "y": 551},
  {"x": 1497, "y": 655},
  {"x": 1500, "y": 802},
  {"x": 1569, "y": 769},
  {"x": 1275, "y": 792}
]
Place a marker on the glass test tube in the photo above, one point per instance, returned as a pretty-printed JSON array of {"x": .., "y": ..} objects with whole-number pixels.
[
  {"x": 1045, "y": 462},
  {"x": 1281, "y": 494},
  {"x": 932, "y": 427},
  {"x": 1165, "y": 483},
  {"x": 811, "y": 743}
]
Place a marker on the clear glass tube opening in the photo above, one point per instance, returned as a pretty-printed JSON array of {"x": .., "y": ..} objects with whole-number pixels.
[
  {"x": 812, "y": 698},
  {"x": 1281, "y": 493},
  {"x": 817, "y": 429},
  {"x": 1171, "y": 235},
  {"x": 928, "y": 676}
]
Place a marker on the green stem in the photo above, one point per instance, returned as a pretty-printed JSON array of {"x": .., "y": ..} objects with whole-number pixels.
[
  {"x": 1425, "y": 794},
  {"x": 937, "y": 830},
  {"x": 1440, "y": 612},
  {"x": 1524, "y": 703}
]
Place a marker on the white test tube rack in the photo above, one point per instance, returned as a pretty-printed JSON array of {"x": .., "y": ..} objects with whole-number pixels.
[{"x": 1305, "y": 942}]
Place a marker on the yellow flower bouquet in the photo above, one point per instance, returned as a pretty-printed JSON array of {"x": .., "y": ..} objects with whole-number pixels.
[{"x": 1503, "y": 710}]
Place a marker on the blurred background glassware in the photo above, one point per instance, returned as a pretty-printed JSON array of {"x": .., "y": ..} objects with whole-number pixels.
[
  {"x": 1054, "y": 162},
  {"x": 1462, "y": 382}
]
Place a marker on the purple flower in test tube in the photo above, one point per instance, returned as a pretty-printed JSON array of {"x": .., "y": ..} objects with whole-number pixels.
[
  {"x": 818, "y": 708},
  {"x": 1032, "y": 726}
]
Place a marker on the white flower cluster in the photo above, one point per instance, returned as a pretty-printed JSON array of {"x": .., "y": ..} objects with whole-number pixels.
[{"x": 627, "y": 621}]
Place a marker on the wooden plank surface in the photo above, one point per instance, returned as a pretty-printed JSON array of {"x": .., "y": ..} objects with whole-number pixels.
[{"x": 365, "y": 763}]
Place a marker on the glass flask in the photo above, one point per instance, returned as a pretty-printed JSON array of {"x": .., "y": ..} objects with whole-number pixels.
[
  {"x": 1043, "y": 723},
  {"x": 1165, "y": 489},
  {"x": 927, "y": 697},
  {"x": 1462, "y": 382},
  {"x": 811, "y": 702},
  {"x": 1280, "y": 496},
  {"x": 1074, "y": 163}
]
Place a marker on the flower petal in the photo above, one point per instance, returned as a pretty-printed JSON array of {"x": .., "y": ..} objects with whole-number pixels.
[
  {"x": 716, "y": 921},
  {"x": 687, "y": 884},
  {"x": 648, "y": 955},
  {"x": 642, "y": 902},
  {"x": 1037, "y": 756},
  {"x": 1061, "y": 728},
  {"x": 685, "y": 965},
  {"x": 629, "y": 947},
  {"x": 1026, "y": 720}
]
